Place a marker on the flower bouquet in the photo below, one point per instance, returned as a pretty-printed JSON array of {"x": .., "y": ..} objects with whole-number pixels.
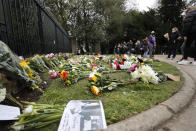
[
  {"x": 146, "y": 74},
  {"x": 38, "y": 115},
  {"x": 99, "y": 84}
]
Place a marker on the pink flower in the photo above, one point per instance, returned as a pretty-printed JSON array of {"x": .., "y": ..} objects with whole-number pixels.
[
  {"x": 53, "y": 75},
  {"x": 93, "y": 65},
  {"x": 58, "y": 74},
  {"x": 117, "y": 65},
  {"x": 132, "y": 69}
]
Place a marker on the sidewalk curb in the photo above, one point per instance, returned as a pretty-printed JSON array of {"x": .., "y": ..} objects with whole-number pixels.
[{"x": 151, "y": 119}]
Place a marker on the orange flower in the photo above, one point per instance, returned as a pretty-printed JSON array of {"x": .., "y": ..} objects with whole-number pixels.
[
  {"x": 64, "y": 75},
  {"x": 95, "y": 90}
]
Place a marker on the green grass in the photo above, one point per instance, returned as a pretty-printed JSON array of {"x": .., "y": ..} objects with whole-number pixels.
[{"x": 120, "y": 103}]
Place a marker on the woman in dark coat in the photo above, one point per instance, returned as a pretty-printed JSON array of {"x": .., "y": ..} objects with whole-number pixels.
[
  {"x": 173, "y": 42},
  {"x": 189, "y": 33}
]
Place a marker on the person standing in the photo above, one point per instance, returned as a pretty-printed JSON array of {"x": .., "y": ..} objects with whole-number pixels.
[
  {"x": 173, "y": 41},
  {"x": 145, "y": 47},
  {"x": 189, "y": 33},
  {"x": 137, "y": 47},
  {"x": 129, "y": 44},
  {"x": 152, "y": 44}
]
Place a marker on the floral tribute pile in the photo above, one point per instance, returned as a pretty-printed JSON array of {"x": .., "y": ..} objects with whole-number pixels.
[{"x": 70, "y": 70}]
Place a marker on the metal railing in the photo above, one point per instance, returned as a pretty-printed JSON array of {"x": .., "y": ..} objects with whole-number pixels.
[{"x": 29, "y": 28}]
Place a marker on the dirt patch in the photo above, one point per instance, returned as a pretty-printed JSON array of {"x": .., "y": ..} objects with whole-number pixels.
[{"x": 26, "y": 94}]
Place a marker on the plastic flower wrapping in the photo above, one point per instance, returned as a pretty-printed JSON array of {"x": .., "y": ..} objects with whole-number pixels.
[
  {"x": 31, "y": 73},
  {"x": 146, "y": 74},
  {"x": 2, "y": 94},
  {"x": 123, "y": 62}
]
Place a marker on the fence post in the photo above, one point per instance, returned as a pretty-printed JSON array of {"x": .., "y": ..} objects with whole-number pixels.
[
  {"x": 74, "y": 45},
  {"x": 41, "y": 33}
]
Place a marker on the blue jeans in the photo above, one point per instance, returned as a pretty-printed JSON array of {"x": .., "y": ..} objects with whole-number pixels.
[{"x": 146, "y": 53}]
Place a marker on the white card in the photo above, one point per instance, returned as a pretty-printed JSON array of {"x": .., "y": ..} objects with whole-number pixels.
[{"x": 9, "y": 113}]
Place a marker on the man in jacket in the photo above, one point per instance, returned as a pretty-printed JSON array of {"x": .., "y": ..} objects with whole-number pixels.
[{"x": 152, "y": 44}]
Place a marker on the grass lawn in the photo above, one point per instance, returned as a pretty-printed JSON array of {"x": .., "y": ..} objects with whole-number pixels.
[{"x": 120, "y": 103}]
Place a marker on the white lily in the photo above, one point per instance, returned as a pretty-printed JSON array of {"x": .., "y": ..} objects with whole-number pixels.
[
  {"x": 18, "y": 128},
  {"x": 27, "y": 110}
]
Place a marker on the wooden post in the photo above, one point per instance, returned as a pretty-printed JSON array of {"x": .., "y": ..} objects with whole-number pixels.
[{"x": 74, "y": 45}]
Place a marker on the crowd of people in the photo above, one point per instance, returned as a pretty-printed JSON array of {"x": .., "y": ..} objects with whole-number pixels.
[
  {"x": 187, "y": 40},
  {"x": 144, "y": 47}
]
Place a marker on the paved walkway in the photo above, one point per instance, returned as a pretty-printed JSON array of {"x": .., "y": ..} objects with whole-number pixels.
[{"x": 186, "y": 120}]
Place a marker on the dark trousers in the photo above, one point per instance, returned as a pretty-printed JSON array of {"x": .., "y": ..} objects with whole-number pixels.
[
  {"x": 172, "y": 51},
  {"x": 190, "y": 47},
  {"x": 182, "y": 49}
]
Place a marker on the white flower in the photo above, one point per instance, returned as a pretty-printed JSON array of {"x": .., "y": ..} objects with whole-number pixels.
[
  {"x": 61, "y": 65},
  {"x": 18, "y": 128},
  {"x": 127, "y": 65},
  {"x": 50, "y": 71},
  {"x": 114, "y": 66},
  {"x": 135, "y": 75},
  {"x": 92, "y": 74},
  {"x": 147, "y": 74},
  {"x": 27, "y": 110},
  {"x": 134, "y": 59},
  {"x": 126, "y": 56},
  {"x": 2, "y": 94}
]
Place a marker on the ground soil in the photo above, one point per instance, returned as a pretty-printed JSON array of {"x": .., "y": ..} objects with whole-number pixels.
[{"x": 25, "y": 95}]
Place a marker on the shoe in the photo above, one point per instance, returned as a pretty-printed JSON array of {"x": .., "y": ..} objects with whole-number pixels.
[
  {"x": 179, "y": 60},
  {"x": 183, "y": 62},
  {"x": 194, "y": 63}
]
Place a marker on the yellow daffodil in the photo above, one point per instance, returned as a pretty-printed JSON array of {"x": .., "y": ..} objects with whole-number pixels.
[
  {"x": 95, "y": 90},
  {"x": 94, "y": 68},
  {"x": 68, "y": 82},
  {"x": 142, "y": 64},
  {"x": 35, "y": 57},
  {"x": 30, "y": 74},
  {"x": 41, "y": 56},
  {"x": 24, "y": 64},
  {"x": 88, "y": 65},
  {"x": 94, "y": 78},
  {"x": 98, "y": 74}
]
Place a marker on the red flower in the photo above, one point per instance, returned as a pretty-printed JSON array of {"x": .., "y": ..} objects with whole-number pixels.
[
  {"x": 122, "y": 63},
  {"x": 132, "y": 69},
  {"x": 64, "y": 75}
]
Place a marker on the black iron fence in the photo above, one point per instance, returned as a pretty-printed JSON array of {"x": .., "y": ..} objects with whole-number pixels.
[{"x": 28, "y": 28}]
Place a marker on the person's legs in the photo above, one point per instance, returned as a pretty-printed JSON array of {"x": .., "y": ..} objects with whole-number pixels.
[
  {"x": 182, "y": 49},
  {"x": 146, "y": 53},
  {"x": 154, "y": 50},
  {"x": 150, "y": 51},
  {"x": 174, "y": 52},
  {"x": 169, "y": 52},
  {"x": 187, "y": 48}
]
